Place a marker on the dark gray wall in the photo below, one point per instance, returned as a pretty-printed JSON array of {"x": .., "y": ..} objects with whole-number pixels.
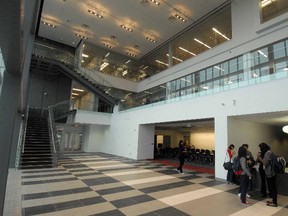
[{"x": 47, "y": 89}]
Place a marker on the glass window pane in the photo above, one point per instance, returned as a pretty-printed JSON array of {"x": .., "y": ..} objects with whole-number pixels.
[
  {"x": 209, "y": 73},
  {"x": 279, "y": 50},
  {"x": 233, "y": 65},
  {"x": 202, "y": 76}
]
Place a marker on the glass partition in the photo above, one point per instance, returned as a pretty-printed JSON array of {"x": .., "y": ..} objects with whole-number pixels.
[
  {"x": 257, "y": 66},
  {"x": 272, "y": 8},
  {"x": 203, "y": 35}
]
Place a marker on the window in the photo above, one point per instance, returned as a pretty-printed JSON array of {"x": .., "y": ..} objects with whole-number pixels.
[{"x": 272, "y": 8}]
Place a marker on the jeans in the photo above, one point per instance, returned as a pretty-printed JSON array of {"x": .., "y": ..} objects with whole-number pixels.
[
  {"x": 271, "y": 181},
  {"x": 244, "y": 183}
]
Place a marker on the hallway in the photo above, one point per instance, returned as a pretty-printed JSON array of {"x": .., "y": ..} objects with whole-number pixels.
[{"x": 101, "y": 184}]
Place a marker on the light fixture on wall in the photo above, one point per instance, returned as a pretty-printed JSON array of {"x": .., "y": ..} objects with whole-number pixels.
[{"x": 285, "y": 129}]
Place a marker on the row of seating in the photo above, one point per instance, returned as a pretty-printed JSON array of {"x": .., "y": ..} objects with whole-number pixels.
[{"x": 202, "y": 156}]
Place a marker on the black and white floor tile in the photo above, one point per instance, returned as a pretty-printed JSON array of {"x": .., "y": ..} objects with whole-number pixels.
[{"x": 102, "y": 184}]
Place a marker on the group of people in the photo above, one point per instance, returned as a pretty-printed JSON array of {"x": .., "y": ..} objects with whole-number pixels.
[{"x": 248, "y": 172}]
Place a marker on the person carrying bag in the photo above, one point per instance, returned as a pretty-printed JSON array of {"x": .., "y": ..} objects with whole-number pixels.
[{"x": 228, "y": 164}]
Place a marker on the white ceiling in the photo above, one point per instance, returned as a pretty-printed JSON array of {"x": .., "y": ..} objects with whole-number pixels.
[{"x": 145, "y": 18}]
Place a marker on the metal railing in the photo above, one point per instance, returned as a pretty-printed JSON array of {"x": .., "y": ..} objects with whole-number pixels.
[{"x": 22, "y": 135}]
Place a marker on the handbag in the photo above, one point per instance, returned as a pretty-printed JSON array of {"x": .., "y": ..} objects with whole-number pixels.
[{"x": 227, "y": 165}]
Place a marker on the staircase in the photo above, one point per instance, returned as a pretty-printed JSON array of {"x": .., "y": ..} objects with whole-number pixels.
[{"x": 37, "y": 149}]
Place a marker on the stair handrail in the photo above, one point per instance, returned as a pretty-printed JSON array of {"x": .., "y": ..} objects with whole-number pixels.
[
  {"x": 52, "y": 135},
  {"x": 49, "y": 52},
  {"x": 21, "y": 141}
]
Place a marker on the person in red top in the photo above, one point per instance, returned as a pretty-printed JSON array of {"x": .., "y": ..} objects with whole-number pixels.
[{"x": 229, "y": 155}]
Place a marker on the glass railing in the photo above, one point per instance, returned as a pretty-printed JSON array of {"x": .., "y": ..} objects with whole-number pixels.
[
  {"x": 258, "y": 66},
  {"x": 53, "y": 53}
]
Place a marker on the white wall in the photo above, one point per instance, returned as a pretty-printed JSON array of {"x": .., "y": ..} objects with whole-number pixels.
[
  {"x": 203, "y": 140},
  {"x": 123, "y": 136}
]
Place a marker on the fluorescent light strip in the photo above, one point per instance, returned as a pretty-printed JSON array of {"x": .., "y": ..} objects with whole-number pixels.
[
  {"x": 264, "y": 3},
  {"x": 75, "y": 94},
  {"x": 218, "y": 32},
  {"x": 85, "y": 55},
  {"x": 202, "y": 43},
  {"x": 219, "y": 68},
  {"x": 175, "y": 58},
  {"x": 263, "y": 54},
  {"x": 77, "y": 89},
  {"x": 145, "y": 67},
  {"x": 124, "y": 73},
  {"x": 185, "y": 50},
  {"x": 185, "y": 80},
  {"x": 162, "y": 63},
  {"x": 104, "y": 65},
  {"x": 127, "y": 61}
]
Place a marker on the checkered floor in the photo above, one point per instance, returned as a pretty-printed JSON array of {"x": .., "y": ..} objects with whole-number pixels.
[{"x": 101, "y": 184}]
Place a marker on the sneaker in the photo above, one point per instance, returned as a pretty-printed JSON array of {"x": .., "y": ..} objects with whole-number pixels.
[
  {"x": 246, "y": 203},
  {"x": 182, "y": 173},
  {"x": 247, "y": 195},
  {"x": 178, "y": 170}
]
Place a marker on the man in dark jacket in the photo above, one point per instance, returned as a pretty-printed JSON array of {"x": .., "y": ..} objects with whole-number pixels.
[{"x": 270, "y": 173}]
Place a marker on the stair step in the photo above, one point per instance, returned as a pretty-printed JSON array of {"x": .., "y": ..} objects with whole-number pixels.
[{"x": 38, "y": 166}]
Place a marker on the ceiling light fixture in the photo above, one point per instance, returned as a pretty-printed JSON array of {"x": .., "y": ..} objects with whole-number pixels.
[
  {"x": 151, "y": 39},
  {"x": 81, "y": 36},
  {"x": 218, "y": 32},
  {"x": 185, "y": 50},
  {"x": 145, "y": 67},
  {"x": 180, "y": 17},
  {"x": 160, "y": 62},
  {"x": 155, "y": 2},
  {"x": 77, "y": 89},
  {"x": 48, "y": 24},
  {"x": 85, "y": 55},
  {"x": 285, "y": 129},
  {"x": 202, "y": 43},
  {"x": 126, "y": 28},
  {"x": 95, "y": 13},
  {"x": 108, "y": 46},
  {"x": 131, "y": 54},
  {"x": 103, "y": 65},
  {"x": 175, "y": 58},
  {"x": 124, "y": 73},
  {"x": 73, "y": 93},
  {"x": 263, "y": 54},
  {"x": 265, "y": 3},
  {"x": 127, "y": 61}
]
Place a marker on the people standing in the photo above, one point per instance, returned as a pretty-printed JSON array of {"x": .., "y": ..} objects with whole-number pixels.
[
  {"x": 245, "y": 175},
  {"x": 230, "y": 152},
  {"x": 270, "y": 173},
  {"x": 262, "y": 174},
  {"x": 181, "y": 156},
  {"x": 251, "y": 163}
]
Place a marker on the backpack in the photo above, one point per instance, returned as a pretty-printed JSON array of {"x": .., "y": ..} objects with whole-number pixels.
[
  {"x": 236, "y": 167},
  {"x": 278, "y": 164}
]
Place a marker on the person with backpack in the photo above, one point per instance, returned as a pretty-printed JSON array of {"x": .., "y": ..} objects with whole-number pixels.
[
  {"x": 244, "y": 176},
  {"x": 270, "y": 173}
]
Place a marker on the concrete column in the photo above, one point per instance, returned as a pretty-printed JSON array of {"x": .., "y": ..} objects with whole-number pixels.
[{"x": 8, "y": 112}]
